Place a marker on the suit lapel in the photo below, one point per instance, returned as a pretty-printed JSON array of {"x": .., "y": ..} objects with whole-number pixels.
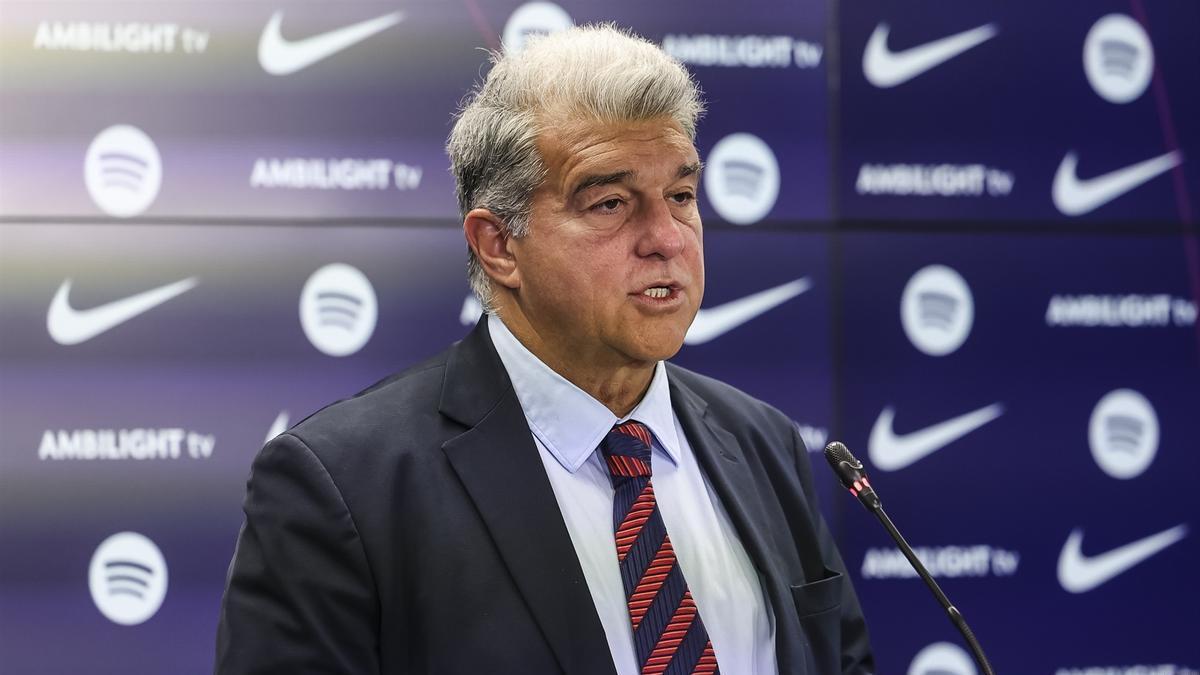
[
  {"x": 498, "y": 463},
  {"x": 724, "y": 463}
]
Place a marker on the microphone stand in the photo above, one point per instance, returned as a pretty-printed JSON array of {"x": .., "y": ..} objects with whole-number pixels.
[
  {"x": 850, "y": 472},
  {"x": 956, "y": 617}
]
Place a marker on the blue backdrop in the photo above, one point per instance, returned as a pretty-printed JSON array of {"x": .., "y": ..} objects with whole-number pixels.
[{"x": 971, "y": 226}]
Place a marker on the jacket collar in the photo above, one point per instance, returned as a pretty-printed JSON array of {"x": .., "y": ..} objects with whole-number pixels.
[{"x": 475, "y": 379}]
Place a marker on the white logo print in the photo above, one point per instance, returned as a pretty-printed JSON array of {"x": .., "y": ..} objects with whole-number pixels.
[
  {"x": 741, "y": 178},
  {"x": 70, "y": 326},
  {"x": 950, "y": 562},
  {"x": 1123, "y": 433},
  {"x": 278, "y": 56},
  {"x": 942, "y": 658},
  {"x": 279, "y": 426},
  {"x": 127, "y": 578},
  {"x": 714, "y": 322},
  {"x": 1075, "y": 197},
  {"x": 937, "y": 310},
  {"x": 743, "y": 51},
  {"x": 122, "y": 171},
  {"x": 338, "y": 309},
  {"x": 885, "y": 68},
  {"x": 1118, "y": 58},
  {"x": 1079, "y": 574},
  {"x": 890, "y": 452},
  {"x": 532, "y": 19}
]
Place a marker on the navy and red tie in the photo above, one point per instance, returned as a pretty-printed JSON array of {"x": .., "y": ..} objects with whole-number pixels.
[{"x": 668, "y": 634}]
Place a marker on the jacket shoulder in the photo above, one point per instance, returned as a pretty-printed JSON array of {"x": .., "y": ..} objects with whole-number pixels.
[
  {"x": 405, "y": 400},
  {"x": 730, "y": 405}
]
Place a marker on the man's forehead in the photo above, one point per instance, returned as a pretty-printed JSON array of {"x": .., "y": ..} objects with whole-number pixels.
[{"x": 604, "y": 152}]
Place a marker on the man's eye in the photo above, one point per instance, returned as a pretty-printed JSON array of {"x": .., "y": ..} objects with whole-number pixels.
[
  {"x": 608, "y": 205},
  {"x": 683, "y": 197}
]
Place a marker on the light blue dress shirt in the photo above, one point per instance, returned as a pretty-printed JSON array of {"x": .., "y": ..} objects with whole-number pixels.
[{"x": 567, "y": 426}]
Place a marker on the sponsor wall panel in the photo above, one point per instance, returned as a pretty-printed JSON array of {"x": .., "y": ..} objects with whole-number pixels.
[
  {"x": 142, "y": 366},
  {"x": 1010, "y": 111},
  {"x": 235, "y": 113},
  {"x": 350, "y": 132},
  {"x": 1024, "y": 404},
  {"x": 195, "y": 381},
  {"x": 1062, "y": 401}
]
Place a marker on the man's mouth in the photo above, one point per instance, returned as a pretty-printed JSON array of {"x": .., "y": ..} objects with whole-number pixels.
[{"x": 660, "y": 293}]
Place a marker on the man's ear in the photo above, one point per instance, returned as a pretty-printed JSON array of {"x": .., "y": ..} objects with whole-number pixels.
[{"x": 488, "y": 238}]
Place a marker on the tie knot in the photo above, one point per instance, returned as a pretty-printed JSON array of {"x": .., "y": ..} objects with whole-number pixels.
[{"x": 627, "y": 450}]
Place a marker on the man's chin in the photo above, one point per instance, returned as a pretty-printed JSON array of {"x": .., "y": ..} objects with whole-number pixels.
[{"x": 660, "y": 345}]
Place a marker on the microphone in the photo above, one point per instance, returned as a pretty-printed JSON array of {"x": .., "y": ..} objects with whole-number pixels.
[
  {"x": 852, "y": 476},
  {"x": 850, "y": 471}
]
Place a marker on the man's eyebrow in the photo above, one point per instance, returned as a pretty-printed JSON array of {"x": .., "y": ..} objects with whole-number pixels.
[
  {"x": 686, "y": 170},
  {"x": 596, "y": 180}
]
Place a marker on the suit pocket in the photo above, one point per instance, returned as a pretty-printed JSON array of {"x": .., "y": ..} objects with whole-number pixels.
[{"x": 818, "y": 604}]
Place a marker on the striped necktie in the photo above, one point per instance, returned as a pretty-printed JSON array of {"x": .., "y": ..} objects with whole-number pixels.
[{"x": 667, "y": 631}]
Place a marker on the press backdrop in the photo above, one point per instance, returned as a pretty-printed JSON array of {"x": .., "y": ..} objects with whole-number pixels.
[{"x": 965, "y": 233}]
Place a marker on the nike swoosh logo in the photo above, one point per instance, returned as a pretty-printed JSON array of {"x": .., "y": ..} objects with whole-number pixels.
[
  {"x": 1075, "y": 197},
  {"x": 714, "y": 322},
  {"x": 885, "y": 68},
  {"x": 1078, "y": 573},
  {"x": 279, "y": 426},
  {"x": 278, "y": 56},
  {"x": 889, "y": 451},
  {"x": 69, "y": 326}
]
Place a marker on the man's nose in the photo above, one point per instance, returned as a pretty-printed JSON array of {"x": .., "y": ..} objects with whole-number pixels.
[{"x": 662, "y": 233}]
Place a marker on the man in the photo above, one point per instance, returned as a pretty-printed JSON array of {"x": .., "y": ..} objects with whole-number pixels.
[{"x": 548, "y": 496}]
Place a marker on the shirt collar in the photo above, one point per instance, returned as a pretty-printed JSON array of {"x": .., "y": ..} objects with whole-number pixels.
[
  {"x": 566, "y": 419},
  {"x": 655, "y": 412}
]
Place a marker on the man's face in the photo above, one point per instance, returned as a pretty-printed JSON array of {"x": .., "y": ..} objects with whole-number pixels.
[{"x": 613, "y": 265}]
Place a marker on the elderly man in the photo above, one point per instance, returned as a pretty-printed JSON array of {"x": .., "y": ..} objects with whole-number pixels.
[{"x": 548, "y": 495}]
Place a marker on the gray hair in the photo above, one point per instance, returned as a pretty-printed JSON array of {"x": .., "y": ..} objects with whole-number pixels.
[{"x": 593, "y": 72}]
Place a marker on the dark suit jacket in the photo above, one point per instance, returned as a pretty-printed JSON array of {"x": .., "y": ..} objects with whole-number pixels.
[{"x": 412, "y": 529}]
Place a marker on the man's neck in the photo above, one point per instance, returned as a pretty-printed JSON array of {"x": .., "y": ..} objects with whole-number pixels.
[{"x": 619, "y": 386}]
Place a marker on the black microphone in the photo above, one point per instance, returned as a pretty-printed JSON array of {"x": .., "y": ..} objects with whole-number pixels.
[
  {"x": 852, "y": 476},
  {"x": 850, "y": 471}
]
